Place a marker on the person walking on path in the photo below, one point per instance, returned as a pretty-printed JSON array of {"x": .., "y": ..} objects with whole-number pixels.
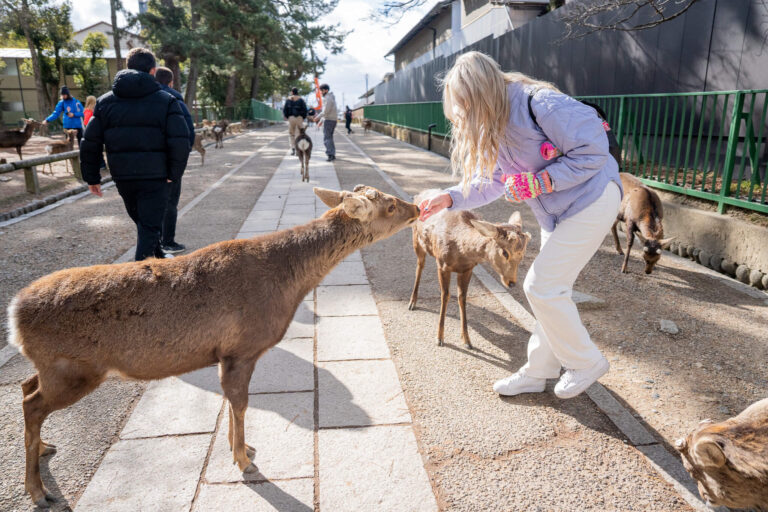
[
  {"x": 72, "y": 110},
  {"x": 168, "y": 244},
  {"x": 532, "y": 143},
  {"x": 295, "y": 112},
  {"x": 147, "y": 144},
  {"x": 348, "y": 120},
  {"x": 329, "y": 117},
  {"x": 90, "y": 104}
]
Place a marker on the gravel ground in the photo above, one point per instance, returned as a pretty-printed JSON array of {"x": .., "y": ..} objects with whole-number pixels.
[
  {"x": 88, "y": 232},
  {"x": 522, "y": 453}
]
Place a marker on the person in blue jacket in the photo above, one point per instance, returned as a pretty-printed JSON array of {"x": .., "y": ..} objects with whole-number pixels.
[
  {"x": 72, "y": 110},
  {"x": 168, "y": 243}
]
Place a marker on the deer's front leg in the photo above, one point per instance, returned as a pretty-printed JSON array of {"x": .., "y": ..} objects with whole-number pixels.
[
  {"x": 630, "y": 241},
  {"x": 420, "y": 257},
  {"x": 235, "y": 375},
  {"x": 444, "y": 276},
  {"x": 463, "y": 284}
]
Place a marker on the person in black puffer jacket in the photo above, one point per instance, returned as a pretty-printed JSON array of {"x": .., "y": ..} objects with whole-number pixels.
[{"x": 147, "y": 144}]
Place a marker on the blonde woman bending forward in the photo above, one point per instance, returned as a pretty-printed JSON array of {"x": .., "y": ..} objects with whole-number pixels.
[{"x": 558, "y": 164}]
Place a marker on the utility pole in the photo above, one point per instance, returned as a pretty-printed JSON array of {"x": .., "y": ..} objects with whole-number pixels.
[{"x": 366, "y": 88}]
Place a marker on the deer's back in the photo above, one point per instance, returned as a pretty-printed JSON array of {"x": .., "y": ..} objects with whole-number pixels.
[{"x": 450, "y": 238}]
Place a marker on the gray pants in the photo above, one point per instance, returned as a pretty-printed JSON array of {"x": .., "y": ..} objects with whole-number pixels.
[{"x": 328, "y": 127}]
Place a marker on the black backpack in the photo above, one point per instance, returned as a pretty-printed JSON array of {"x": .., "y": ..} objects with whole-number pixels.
[{"x": 613, "y": 143}]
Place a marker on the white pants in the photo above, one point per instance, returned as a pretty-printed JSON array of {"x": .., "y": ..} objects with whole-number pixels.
[{"x": 560, "y": 339}]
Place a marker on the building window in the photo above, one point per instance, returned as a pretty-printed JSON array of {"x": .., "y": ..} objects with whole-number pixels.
[
  {"x": 10, "y": 68},
  {"x": 12, "y": 106}
]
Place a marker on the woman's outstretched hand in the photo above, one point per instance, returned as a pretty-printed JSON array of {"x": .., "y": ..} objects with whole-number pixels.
[{"x": 429, "y": 207}]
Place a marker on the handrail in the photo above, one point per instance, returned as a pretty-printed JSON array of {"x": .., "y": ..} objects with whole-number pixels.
[{"x": 38, "y": 160}]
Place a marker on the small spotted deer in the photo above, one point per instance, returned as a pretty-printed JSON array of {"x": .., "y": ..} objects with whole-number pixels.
[
  {"x": 641, "y": 212},
  {"x": 459, "y": 240},
  {"x": 729, "y": 460},
  {"x": 304, "y": 151},
  {"x": 232, "y": 301},
  {"x": 61, "y": 146}
]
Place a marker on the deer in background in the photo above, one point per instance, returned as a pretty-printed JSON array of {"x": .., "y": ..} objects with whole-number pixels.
[
  {"x": 198, "y": 146},
  {"x": 61, "y": 146},
  {"x": 18, "y": 138},
  {"x": 459, "y": 240},
  {"x": 304, "y": 151},
  {"x": 641, "y": 212},
  {"x": 367, "y": 126},
  {"x": 232, "y": 301},
  {"x": 218, "y": 135},
  {"x": 729, "y": 460}
]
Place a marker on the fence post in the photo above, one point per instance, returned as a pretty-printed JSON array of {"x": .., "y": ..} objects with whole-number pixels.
[
  {"x": 30, "y": 179},
  {"x": 76, "y": 168},
  {"x": 730, "y": 151},
  {"x": 622, "y": 119}
]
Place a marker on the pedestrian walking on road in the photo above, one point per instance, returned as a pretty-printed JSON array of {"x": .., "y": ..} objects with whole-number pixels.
[
  {"x": 168, "y": 244},
  {"x": 329, "y": 117},
  {"x": 295, "y": 112},
  {"x": 72, "y": 112},
  {"x": 532, "y": 143},
  {"x": 348, "y": 120},
  {"x": 147, "y": 142}
]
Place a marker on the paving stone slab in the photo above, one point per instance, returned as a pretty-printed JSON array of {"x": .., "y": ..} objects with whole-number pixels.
[
  {"x": 377, "y": 468},
  {"x": 347, "y": 272},
  {"x": 259, "y": 225},
  {"x": 281, "y": 496},
  {"x": 188, "y": 404},
  {"x": 350, "y": 337},
  {"x": 257, "y": 215},
  {"x": 345, "y": 301},
  {"x": 358, "y": 393},
  {"x": 250, "y": 234},
  {"x": 285, "y": 367},
  {"x": 280, "y": 428},
  {"x": 303, "y": 323},
  {"x": 147, "y": 474}
]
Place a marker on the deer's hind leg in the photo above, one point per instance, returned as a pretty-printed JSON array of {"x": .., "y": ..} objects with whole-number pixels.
[
  {"x": 28, "y": 387},
  {"x": 444, "y": 276},
  {"x": 463, "y": 285},
  {"x": 235, "y": 375},
  {"x": 58, "y": 386},
  {"x": 616, "y": 237}
]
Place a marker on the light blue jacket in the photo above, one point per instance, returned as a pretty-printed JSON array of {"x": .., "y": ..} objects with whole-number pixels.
[
  {"x": 64, "y": 107},
  {"x": 579, "y": 176}
]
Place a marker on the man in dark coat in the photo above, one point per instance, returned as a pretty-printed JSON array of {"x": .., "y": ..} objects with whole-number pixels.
[
  {"x": 295, "y": 112},
  {"x": 164, "y": 77},
  {"x": 147, "y": 144}
]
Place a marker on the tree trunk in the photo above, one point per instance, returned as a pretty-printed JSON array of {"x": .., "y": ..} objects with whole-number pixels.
[
  {"x": 231, "y": 86},
  {"x": 43, "y": 103},
  {"x": 114, "y": 6},
  {"x": 256, "y": 66},
  {"x": 191, "y": 93}
]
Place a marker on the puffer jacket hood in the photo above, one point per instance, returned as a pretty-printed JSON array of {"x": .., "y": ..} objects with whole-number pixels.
[{"x": 130, "y": 83}]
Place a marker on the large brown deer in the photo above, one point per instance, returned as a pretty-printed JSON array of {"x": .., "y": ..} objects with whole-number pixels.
[
  {"x": 57, "y": 147},
  {"x": 459, "y": 241},
  {"x": 227, "y": 303},
  {"x": 729, "y": 460},
  {"x": 18, "y": 138},
  {"x": 642, "y": 213}
]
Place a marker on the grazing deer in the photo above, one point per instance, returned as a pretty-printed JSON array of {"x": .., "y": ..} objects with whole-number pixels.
[
  {"x": 729, "y": 460},
  {"x": 367, "y": 126},
  {"x": 18, "y": 138},
  {"x": 218, "y": 135},
  {"x": 198, "y": 146},
  {"x": 232, "y": 301},
  {"x": 304, "y": 151},
  {"x": 61, "y": 146},
  {"x": 641, "y": 212},
  {"x": 459, "y": 240}
]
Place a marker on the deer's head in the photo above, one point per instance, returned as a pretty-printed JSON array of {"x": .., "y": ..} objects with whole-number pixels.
[
  {"x": 380, "y": 215},
  {"x": 506, "y": 247},
  {"x": 652, "y": 250},
  {"x": 729, "y": 460}
]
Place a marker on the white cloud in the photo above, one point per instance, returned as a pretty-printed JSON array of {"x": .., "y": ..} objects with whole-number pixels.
[{"x": 364, "y": 47}]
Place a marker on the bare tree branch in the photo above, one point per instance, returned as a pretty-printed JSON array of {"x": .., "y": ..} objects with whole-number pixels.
[{"x": 392, "y": 11}]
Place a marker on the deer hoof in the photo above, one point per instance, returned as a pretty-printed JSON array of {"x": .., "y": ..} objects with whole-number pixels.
[
  {"x": 468, "y": 345},
  {"x": 411, "y": 306},
  {"x": 439, "y": 343}
]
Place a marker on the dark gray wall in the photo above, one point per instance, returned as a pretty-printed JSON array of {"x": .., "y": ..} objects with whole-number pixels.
[{"x": 716, "y": 45}]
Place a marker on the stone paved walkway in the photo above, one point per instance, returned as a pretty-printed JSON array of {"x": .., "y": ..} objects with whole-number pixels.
[{"x": 326, "y": 416}]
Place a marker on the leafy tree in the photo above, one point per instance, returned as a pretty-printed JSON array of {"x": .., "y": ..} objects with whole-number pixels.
[{"x": 90, "y": 71}]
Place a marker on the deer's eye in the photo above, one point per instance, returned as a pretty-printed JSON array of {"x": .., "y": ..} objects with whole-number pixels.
[
  {"x": 391, "y": 208},
  {"x": 505, "y": 253}
]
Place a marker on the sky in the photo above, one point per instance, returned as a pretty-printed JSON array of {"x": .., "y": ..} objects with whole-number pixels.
[{"x": 364, "y": 47}]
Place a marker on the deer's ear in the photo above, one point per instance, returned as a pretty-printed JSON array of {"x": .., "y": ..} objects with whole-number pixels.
[
  {"x": 485, "y": 228},
  {"x": 516, "y": 220},
  {"x": 332, "y": 198},
  {"x": 357, "y": 207},
  {"x": 709, "y": 453}
]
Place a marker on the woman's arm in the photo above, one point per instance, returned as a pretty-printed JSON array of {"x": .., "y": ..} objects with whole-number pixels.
[
  {"x": 575, "y": 130},
  {"x": 481, "y": 192}
]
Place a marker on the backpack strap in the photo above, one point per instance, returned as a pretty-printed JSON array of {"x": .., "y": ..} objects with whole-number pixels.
[{"x": 530, "y": 107}]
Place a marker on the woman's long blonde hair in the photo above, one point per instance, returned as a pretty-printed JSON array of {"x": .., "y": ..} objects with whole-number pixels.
[
  {"x": 90, "y": 102},
  {"x": 476, "y": 103}
]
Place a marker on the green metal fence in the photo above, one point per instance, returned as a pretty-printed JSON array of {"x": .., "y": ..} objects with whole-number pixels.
[
  {"x": 263, "y": 111},
  {"x": 709, "y": 145}
]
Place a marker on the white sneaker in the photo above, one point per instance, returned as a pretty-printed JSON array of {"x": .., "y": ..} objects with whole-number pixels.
[
  {"x": 575, "y": 382},
  {"x": 519, "y": 383}
]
